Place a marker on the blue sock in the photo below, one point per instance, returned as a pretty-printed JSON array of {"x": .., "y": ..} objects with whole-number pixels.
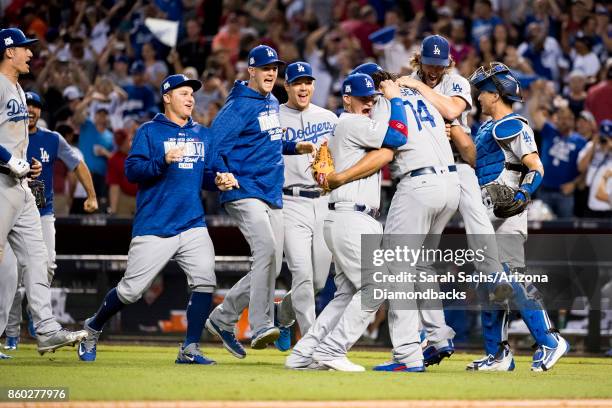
[
  {"x": 109, "y": 308},
  {"x": 198, "y": 310}
]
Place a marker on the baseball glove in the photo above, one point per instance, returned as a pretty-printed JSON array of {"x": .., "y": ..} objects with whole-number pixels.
[
  {"x": 322, "y": 166},
  {"x": 38, "y": 190},
  {"x": 502, "y": 199}
]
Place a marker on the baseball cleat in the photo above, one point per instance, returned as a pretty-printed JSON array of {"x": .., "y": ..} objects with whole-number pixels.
[
  {"x": 314, "y": 366},
  {"x": 545, "y": 357},
  {"x": 59, "y": 339},
  {"x": 400, "y": 367},
  {"x": 435, "y": 353},
  {"x": 228, "y": 338},
  {"x": 283, "y": 343},
  {"x": 192, "y": 355},
  {"x": 503, "y": 360},
  {"x": 342, "y": 364},
  {"x": 4, "y": 356},
  {"x": 264, "y": 337},
  {"x": 87, "y": 348},
  {"x": 11, "y": 343}
]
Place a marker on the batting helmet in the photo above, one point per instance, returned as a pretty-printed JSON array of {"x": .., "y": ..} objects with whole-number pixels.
[{"x": 497, "y": 78}]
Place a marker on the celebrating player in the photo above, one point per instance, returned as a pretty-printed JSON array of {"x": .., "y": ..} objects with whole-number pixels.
[
  {"x": 46, "y": 147},
  {"x": 249, "y": 143},
  {"x": 19, "y": 218},
  {"x": 167, "y": 160},
  {"x": 304, "y": 205},
  {"x": 508, "y": 156},
  {"x": 354, "y": 210}
]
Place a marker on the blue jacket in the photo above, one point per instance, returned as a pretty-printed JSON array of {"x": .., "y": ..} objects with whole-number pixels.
[
  {"x": 489, "y": 156},
  {"x": 46, "y": 147},
  {"x": 168, "y": 200},
  {"x": 249, "y": 144}
]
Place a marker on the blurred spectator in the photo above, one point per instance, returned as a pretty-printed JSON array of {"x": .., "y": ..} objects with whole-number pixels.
[
  {"x": 595, "y": 160},
  {"x": 484, "y": 20},
  {"x": 586, "y": 126},
  {"x": 547, "y": 13},
  {"x": 560, "y": 146},
  {"x": 599, "y": 96},
  {"x": 121, "y": 193},
  {"x": 583, "y": 59},
  {"x": 212, "y": 90},
  {"x": 395, "y": 55},
  {"x": 460, "y": 48},
  {"x": 140, "y": 103},
  {"x": 61, "y": 197},
  {"x": 362, "y": 22},
  {"x": 193, "y": 49},
  {"x": 228, "y": 37},
  {"x": 155, "y": 69},
  {"x": 95, "y": 144},
  {"x": 104, "y": 94},
  {"x": 542, "y": 51},
  {"x": 575, "y": 91}
]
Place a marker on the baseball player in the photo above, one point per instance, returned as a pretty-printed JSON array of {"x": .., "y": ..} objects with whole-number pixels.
[
  {"x": 354, "y": 210},
  {"x": 426, "y": 198},
  {"x": 508, "y": 155},
  {"x": 304, "y": 205},
  {"x": 249, "y": 143},
  {"x": 46, "y": 147},
  {"x": 19, "y": 219},
  {"x": 450, "y": 94},
  {"x": 167, "y": 161}
]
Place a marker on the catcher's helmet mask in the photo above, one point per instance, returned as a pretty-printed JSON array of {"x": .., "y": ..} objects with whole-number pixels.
[{"x": 499, "y": 76}]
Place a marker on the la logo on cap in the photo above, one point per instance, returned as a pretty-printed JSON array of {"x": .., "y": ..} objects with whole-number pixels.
[
  {"x": 300, "y": 68},
  {"x": 347, "y": 89},
  {"x": 166, "y": 85},
  {"x": 436, "y": 49},
  {"x": 270, "y": 52},
  {"x": 369, "y": 83},
  {"x": 252, "y": 61},
  {"x": 8, "y": 41}
]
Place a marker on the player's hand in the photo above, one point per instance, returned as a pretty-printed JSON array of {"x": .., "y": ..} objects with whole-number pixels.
[
  {"x": 226, "y": 181},
  {"x": 390, "y": 89},
  {"x": 334, "y": 180},
  {"x": 447, "y": 129},
  {"x": 18, "y": 167},
  {"x": 91, "y": 204},
  {"x": 408, "y": 82},
  {"x": 174, "y": 155},
  {"x": 35, "y": 168},
  {"x": 305, "y": 148}
]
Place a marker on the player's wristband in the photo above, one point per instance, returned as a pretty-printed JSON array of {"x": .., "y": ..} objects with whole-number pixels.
[
  {"x": 5, "y": 155},
  {"x": 531, "y": 182}
]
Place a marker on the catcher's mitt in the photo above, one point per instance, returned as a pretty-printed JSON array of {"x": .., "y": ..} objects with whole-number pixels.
[
  {"x": 38, "y": 190},
  {"x": 503, "y": 202},
  {"x": 323, "y": 165}
]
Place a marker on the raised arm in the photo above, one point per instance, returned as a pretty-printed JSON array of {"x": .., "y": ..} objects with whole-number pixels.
[{"x": 450, "y": 107}]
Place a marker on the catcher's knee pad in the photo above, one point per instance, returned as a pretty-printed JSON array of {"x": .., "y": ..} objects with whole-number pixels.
[{"x": 493, "y": 329}]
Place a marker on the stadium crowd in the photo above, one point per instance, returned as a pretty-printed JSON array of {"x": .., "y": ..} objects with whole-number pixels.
[{"x": 98, "y": 69}]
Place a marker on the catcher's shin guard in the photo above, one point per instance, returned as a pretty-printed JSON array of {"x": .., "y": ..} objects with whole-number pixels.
[{"x": 494, "y": 329}]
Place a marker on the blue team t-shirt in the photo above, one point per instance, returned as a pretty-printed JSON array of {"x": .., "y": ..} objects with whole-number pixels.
[
  {"x": 559, "y": 155},
  {"x": 88, "y": 137}
]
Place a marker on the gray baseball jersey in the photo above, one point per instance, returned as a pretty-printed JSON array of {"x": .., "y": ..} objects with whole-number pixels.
[
  {"x": 13, "y": 118},
  {"x": 456, "y": 85},
  {"x": 313, "y": 124},
  {"x": 352, "y": 137},
  {"x": 427, "y": 142},
  {"x": 514, "y": 148}
]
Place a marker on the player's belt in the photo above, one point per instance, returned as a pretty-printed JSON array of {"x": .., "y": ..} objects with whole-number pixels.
[
  {"x": 372, "y": 212},
  {"x": 430, "y": 170},
  {"x": 521, "y": 168},
  {"x": 298, "y": 192}
]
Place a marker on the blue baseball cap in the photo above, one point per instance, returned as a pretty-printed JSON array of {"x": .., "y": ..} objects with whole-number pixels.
[
  {"x": 14, "y": 37},
  {"x": 176, "y": 81},
  {"x": 138, "y": 67},
  {"x": 298, "y": 70},
  {"x": 435, "y": 51},
  {"x": 367, "y": 68},
  {"x": 263, "y": 55},
  {"x": 605, "y": 128},
  {"x": 359, "y": 85},
  {"x": 32, "y": 98},
  {"x": 383, "y": 36}
]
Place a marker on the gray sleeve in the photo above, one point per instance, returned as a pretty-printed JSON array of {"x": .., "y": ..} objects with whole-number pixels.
[
  {"x": 366, "y": 132},
  {"x": 67, "y": 154},
  {"x": 524, "y": 143},
  {"x": 381, "y": 111}
]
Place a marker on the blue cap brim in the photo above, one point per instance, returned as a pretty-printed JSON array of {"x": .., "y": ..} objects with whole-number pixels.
[
  {"x": 192, "y": 83},
  {"x": 435, "y": 61},
  {"x": 27, "y": 42},
  {"x": 295, "y": 78},
  {"x": 373, "y": 93},
  {"x": 276, "y": 61}
]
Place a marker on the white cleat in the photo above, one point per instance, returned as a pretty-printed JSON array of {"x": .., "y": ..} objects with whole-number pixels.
[
  {"x": 503, "y": 360},
  {"x": 545, "y": 357},
  {"x": 59, "y": 339},
  {"x": 342, "y": 364}
]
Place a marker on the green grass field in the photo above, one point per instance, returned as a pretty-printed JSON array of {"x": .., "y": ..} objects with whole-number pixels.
[{"x": 149, "y": 373}]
